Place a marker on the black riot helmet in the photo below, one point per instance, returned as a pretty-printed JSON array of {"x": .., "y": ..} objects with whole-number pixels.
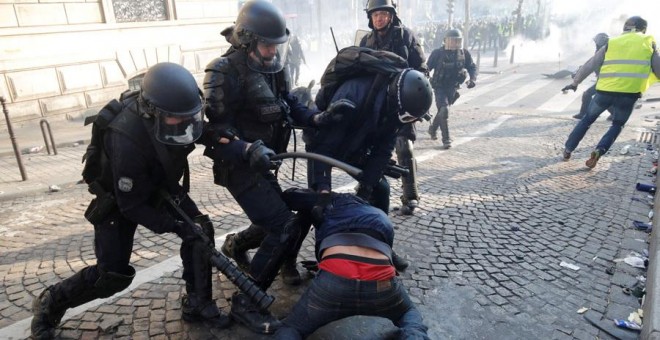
[
  {"x": 412, "y": 92},
  {"x": 170, "y": 94},
  {"x": 453, "y": 39},
  {"x": 601, "y": 40},
  {"x": 260, "y": 21},
  {"x": 635, "y": 24},
  {"x": 382, "y": 5}
]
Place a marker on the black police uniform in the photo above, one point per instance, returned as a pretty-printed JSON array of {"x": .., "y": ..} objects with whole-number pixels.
[
  {"x": 402, "y": 41},
  {"x": 449, "y": 72},
  {"x": 128, "y": 191},
  {"x": 253, "y": 106}
]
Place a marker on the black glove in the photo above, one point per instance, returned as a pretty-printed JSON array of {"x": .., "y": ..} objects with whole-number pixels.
[
  {"x": 204, "y": 221},
  {"x": 334, "y": 113},
  {"x": 259, "y": 156},
  {"x": 569, "y": 87},
  {"x": 323, "y": 203},
  {"x": 185, "y": 231},
  {"x": 364, "y": 192},
  {"x": 470, "y": 84}
]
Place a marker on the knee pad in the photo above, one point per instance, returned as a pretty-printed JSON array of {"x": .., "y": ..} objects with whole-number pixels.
[
  {"x": 110, "y": 283},
  {"x": 404, "y": 149}
]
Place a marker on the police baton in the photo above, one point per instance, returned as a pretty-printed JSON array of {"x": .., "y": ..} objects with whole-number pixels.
[
  {"x": 235, "y": 275},
  {"x": 349, "y": 169}
]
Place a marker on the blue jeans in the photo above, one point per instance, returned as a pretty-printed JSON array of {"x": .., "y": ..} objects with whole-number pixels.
[
  {"x": 621, "y": 107},
  {"x": 587, "y": 96},
  {"x": 331, "y": 297}
]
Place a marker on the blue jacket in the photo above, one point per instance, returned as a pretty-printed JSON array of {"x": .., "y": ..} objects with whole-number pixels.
[
  {"x": 368, "y": 146},
  {"x": 357, "y": 223}
]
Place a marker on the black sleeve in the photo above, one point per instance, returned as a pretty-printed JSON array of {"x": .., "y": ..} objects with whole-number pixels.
[
  {"x": 433, "y": 59},
  {"x": 134, "y": 183},
  {"x": 470, "y": 66},
  {"x": 222, "y": 90},
  {"x": 416, "y": 57}
]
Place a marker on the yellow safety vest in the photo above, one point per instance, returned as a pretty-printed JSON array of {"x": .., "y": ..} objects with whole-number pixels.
[{"x": 627, "y": 64}]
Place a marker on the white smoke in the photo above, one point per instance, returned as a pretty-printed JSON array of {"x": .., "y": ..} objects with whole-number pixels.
[{"x": 573, "y": 24}]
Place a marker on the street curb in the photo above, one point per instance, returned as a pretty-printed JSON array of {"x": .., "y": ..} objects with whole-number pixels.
[{"x": 651, "y": 325}]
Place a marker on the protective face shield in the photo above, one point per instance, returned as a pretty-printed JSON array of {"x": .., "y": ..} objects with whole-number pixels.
[
  {"x": 174, "y": 129},
  {"x": 261, "y": 30},
  {"x": 264, "y": 57},
  {"x": 453, "y": 40},
  {"x": 413, "y": 95},
  {"x": 169, "y": 93}
]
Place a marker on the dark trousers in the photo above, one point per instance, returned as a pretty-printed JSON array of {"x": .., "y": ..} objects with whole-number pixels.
[
  {"x": 587, "y": 96},
  {"x": 331, "y": 297},
  {"x": 260, "y": 197}
]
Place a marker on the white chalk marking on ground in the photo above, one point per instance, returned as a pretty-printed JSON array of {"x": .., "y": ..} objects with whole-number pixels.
[
  {"x": 560, "y": 101},
  {"x": 519, "y": 93},
  {"x": 469, "y": 94}
]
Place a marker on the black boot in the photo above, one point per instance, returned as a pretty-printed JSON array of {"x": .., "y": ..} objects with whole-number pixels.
[
  {"x": 49, "y": 307},
  {"x": 195, "y": 309},
  {"x": 289, "y": 272},
  {"x": 199, "y": 305},
  {"x": 237, "y": 245},
  {"x": 400, "y": 264},
  {"x": 46, "y": 316},
  {"x": 408, "y": 207},
  {"x": 258, "y": 321}
]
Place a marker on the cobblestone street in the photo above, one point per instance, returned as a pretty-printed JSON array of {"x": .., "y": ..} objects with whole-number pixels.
[{"x": 499, "y": 212}]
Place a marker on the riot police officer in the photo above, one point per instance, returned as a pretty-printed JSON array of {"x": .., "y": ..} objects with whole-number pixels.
[
  {"x": 156, "y": 127},
  {"x": 389, "y": 34},
  {"x": 250, "y": 111},
  {"x": 451, "y": 64}
]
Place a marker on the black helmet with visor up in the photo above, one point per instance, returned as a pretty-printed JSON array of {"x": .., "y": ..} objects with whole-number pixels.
[{"x": 261, "y": 22}]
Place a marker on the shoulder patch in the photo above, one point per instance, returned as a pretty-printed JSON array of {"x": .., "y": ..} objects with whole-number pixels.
[{"x": 125, "y": 184}]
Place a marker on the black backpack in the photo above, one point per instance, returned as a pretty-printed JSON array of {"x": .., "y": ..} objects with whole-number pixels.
[
  {"x": 94, "y": 157},
  {"x": 352, "y": 62}
]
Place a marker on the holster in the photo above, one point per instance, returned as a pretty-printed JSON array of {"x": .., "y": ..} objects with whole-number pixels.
[
  {"x": 221, "y": 173},
  {"x": 100, "y": 207}
]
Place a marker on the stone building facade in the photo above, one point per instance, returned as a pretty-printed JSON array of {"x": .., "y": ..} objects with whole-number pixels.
[{"x": 63, "y": 59}]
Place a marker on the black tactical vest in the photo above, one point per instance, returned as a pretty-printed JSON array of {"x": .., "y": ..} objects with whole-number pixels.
[
  {"x": 451, "y": 70},
  {"x": 264, "y": 114}
]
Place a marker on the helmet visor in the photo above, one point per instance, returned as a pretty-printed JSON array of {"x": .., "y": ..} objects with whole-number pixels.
[
  {"x": 177, "y": 129},
  {"x": 265, "y": 57},
  {"x": 453, "y": 43},
  {"x": 407, "y": 117}
]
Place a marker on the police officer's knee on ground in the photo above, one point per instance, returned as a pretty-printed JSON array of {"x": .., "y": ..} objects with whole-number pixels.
[{"x": 138, "y": 151}]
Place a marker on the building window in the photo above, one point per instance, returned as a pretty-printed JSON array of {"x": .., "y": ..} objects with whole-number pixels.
[
  {"x": 140, "y": 10},
  {"x": 135, "y": 82}
]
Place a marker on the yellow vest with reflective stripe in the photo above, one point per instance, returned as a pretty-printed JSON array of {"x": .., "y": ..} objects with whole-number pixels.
[{"x": 627, "y": 64}]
